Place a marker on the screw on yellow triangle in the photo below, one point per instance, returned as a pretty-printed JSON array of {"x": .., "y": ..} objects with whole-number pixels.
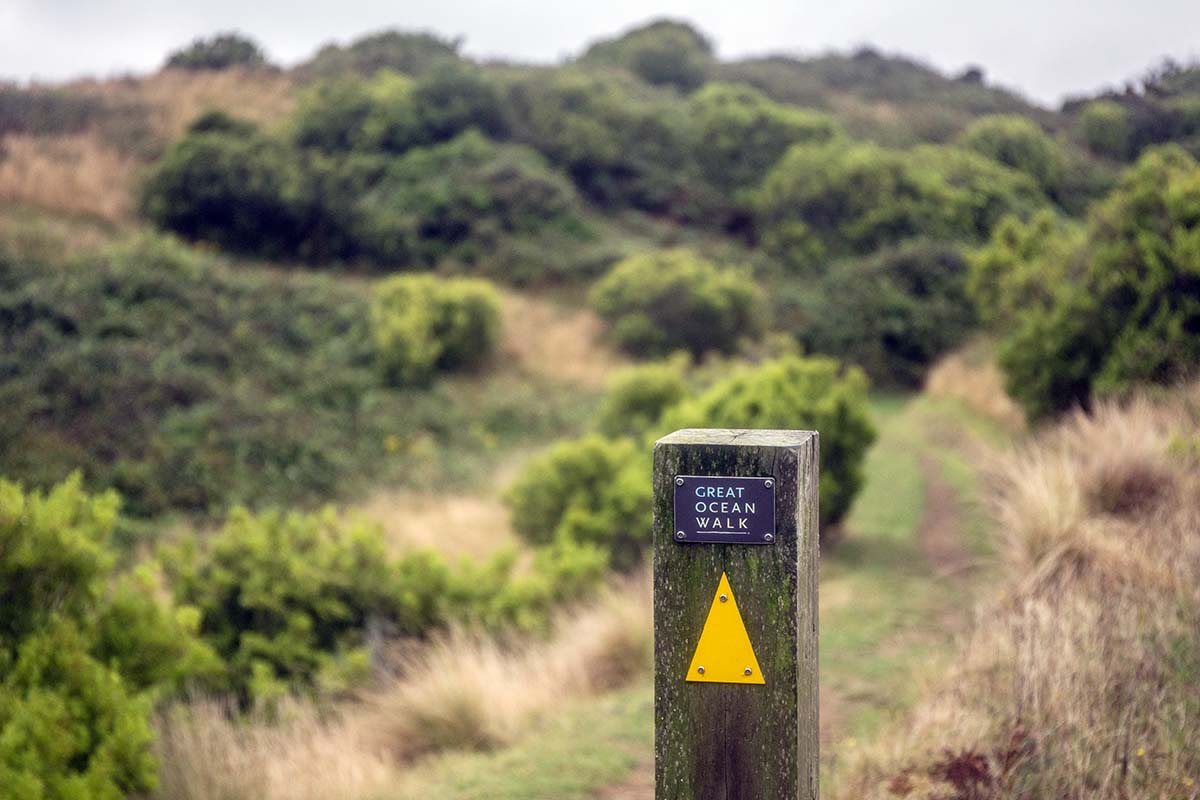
[{"x": 724, "y": 653}]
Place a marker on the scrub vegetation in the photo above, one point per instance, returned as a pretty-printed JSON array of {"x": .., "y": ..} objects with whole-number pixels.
[{"x": 329, "y": 394}]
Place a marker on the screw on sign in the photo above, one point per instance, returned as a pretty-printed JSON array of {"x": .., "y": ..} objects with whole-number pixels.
[{"x": 735, "y": 600}]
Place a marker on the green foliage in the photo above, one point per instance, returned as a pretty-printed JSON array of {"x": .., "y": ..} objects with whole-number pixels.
[
  {"x": 893, "y": 313},
  {"x": 1017, "y": 142},
  {"x": 742, "y": 133},
  {"x": 622, "y": 144},
  {"x": 638, "y": 396},
  {"x": 795, "y": 393},
  {"x": 222, "y": 51},
  {"x": 666, "y": 300},
  {"x": 1106, "y": 129},
  {"x": 1122, "y": 308},
  {"x": 186, "y": 385},
  {"x": 74, "y": 700},
  {"x": 979, "y": 192},
  {"x": 400, "y": 51},
  {"x": 461, "y": 199},
  {"x": 593, "y": 491},
  {"x": 392, "y": 113},
  {"x": 663, "y": 52},
  {"x": 286, "y": 599},
  {"x": 421, "y": 324},
  {"x": 233, "y": 187},
  {"x": 821, "y": 202}
]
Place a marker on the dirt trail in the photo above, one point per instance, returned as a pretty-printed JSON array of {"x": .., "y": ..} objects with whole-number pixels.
[
  {"x": 940, "y": 534},
  {"x": 941, "y": 541}
]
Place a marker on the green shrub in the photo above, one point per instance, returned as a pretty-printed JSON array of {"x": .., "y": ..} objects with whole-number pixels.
[
  {"x": 666, "y": 300},
  {"x": 453, "y": 98},
  {"x": 234, "y": 188},
  {"x": 795, "y": 393},
  {"x": 75, "y": 701},
  {"x": 622, "y": 144},
  {"x": 1019, "y": 143},
  {"x": 221, "y": 51},
  {"x": 592, "y": 491},
  {"x": 837, "y": 199},
  {"x": 399, "y": 51},
  {"x": 893, "y": 314},
  {"x": 421, "y": 324},
  {"x": 638, "y": 396},
  {"x": 461, "y": 199},
  {"x": 742, "y": 133},
  {"x": 663, "y": 52},
  {"x": 286, "y": 599},
  {"x": 1122, "y": 308},
  {"x": 1106, "y": 129},
  {"x": 187, "y": 385},
  {"x": 979, "y": 192}
]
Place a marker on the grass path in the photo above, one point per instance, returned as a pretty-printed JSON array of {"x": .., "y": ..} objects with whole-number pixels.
[{"x": 894, "y": 592}]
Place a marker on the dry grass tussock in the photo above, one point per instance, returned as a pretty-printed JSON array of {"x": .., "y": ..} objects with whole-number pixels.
[
  {"x": 556, "y": 342},
  {"x": 75, "y": 174},
  {"x": 462, "y": 691},
  {"x": 971, "y": 376},
  {"x": 1083, "y": 679},
  {"x": 172, "y": 98}
]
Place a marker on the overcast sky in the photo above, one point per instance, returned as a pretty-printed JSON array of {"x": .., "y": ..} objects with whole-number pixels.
[{"x": 1044, "y": 48}]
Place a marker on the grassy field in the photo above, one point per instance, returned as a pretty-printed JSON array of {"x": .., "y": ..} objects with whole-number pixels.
[{"x": 887, "y": 615}]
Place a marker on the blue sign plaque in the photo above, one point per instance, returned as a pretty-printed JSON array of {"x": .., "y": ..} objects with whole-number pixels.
[{"x": 712, "y": 509}]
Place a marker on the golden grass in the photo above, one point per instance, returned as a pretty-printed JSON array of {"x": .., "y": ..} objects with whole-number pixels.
[
  {"x": 462, "y": 691},
  {"x": 76, "y": 174},
  {"x": 556, "y": 342},
  {"x": 971, "y": 376},
  {"x": 173, "y": 98},
  {"x": 453, "y": 525},
  {"x": 1081, "y": 680}
]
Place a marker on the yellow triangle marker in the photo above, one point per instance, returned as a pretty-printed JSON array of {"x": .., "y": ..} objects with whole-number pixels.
[{"x": 724, "y": 653}]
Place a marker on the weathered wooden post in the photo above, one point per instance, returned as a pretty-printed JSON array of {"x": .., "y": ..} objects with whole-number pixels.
[{"x": 735, "y": 615}]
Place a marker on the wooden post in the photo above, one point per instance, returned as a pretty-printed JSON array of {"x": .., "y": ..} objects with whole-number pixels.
[{"x": 744, "y": 740}]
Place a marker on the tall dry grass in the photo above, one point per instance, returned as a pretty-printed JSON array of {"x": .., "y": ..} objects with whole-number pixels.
[
  {"x": 970, "y": 375},
  {"x": 552, "y": 341},
  {"x": 1083, "y": 679},
  {"x": 76, "y": 174},
  {"x": 463, "y": 691}
]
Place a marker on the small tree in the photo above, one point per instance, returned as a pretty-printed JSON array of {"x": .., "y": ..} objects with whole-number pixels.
[
  {"x": 664, "y": 52},
  {"x": 1106, "y": 129},
  {"x": 667, "y": 300},
  {"x": 1120, "y": 308},
  {"x": 222, "y": 51}
]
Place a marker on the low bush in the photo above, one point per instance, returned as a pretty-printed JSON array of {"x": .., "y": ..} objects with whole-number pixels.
[
  {"x": 622, "y": 144},
  {"x": 421, "y": 325},
  {"x": 1106, "y": 129},
  {"x": 742, "y": 133},
  {"x": 461, "y": 199},
  {"x": 893, "y": 314},
  {"x": 80, "y": 658},
  {"x": 1120, "y": 308},
  {"x": 1017, "y": 142},
  {"x": 286, "y": 599},
  {"x": 592, "y": 490},
  {"x": 662, "y": 301},
  {"x": 637, "y": 397},
  {"x": 221, "y": 51},
  {"x": 664, "y": 52},
  {"x": 795, "y": 393},
  {"x": 400, "y": 51},
  {"x": 229, "y": 186}
]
